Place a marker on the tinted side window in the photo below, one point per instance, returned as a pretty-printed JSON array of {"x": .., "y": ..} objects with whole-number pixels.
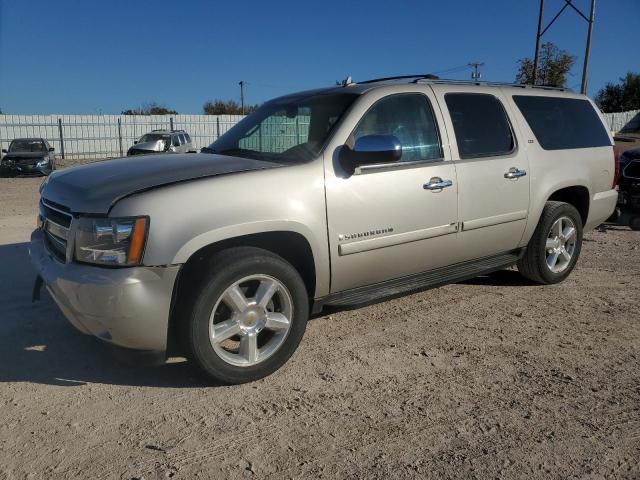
[
  {"x": 563, "y": 123},
  {"x": 182, "y": 139},
  {"x": 480, "y": 124},
  {"x": 175, "y": 141},
  {"x": 410, "y": 119},
  {"x": 187, "y": 137}
]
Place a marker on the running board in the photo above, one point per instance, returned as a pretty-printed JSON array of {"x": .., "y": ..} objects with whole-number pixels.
[{"x": 413, "y": 283}]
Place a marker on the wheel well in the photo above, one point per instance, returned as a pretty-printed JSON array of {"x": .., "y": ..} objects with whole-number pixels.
[
  {"x": 291, "y": 246},
  {"x": 577, "y": 196}
]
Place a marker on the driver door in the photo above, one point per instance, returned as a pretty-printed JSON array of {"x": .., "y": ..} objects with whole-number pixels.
[{"x": 384, "y": 220}]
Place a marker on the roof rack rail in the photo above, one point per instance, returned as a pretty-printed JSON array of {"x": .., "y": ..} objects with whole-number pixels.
[
  {"x": 490, "y": 84},
  {"x": 427, "y": 76},
  {"x": 167, "y": 130}
]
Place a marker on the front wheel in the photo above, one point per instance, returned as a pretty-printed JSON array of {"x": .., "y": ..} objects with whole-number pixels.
[
  {"x": 249, "y": 315},
  {"x": 555, "y": 246}
]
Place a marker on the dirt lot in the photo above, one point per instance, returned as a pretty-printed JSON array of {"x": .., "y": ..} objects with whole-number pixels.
[{"x": 491, "y": 378}]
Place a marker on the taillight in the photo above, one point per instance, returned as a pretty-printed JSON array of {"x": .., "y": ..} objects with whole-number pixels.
[{"x": 616, "y": 169}]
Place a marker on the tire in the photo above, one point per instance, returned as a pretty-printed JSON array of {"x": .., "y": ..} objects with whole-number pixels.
[
  {"x": 237, "y": 359},
  {"x": 535, "y": 263},
  {"x": 634, "y": 222}
]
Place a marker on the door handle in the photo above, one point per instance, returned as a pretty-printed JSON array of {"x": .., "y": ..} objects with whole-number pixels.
[
  {"x": 515, "y": 173},
  {"x": 436, "y": 183}
]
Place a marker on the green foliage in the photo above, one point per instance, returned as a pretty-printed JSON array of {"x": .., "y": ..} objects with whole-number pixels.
[
  {"x": 553, "y": 66},
  {"x": 225, "y": 107},
  {"x": 620, "y": 97},
  {"x": 151, "y": 108}
]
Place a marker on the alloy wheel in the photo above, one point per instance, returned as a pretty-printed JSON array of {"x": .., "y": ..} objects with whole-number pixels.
[
  {"x": 250, "y": 320},
  {"x": 561, "y": 244}
]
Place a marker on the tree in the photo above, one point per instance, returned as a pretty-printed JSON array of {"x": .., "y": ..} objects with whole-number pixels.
[
  {"x": 150, "y": 108},
  {"x": 225, "y": 107},
  {"x": 553, "y": 66},
  {"x": 620, "y": 97}
]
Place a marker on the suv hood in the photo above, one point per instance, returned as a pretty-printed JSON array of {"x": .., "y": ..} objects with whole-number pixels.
[
  {"x": 19, "y": 155},
  {"x": 94, "y": 188}
]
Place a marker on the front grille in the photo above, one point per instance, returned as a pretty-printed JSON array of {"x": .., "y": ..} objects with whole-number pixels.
[
  {"x": 28, "y": 161},
  {"x": 56, "y": 224},
  {"x": 632, "y": 170}
]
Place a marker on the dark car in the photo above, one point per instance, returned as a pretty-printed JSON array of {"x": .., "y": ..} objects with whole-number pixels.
[
  {"x": 629, "y": 188},
  {"x": 28, "y": 156}
]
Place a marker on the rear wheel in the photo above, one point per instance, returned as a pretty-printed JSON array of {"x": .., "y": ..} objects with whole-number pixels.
[
  {"x": 249, "y": 315},
  {"x": 555, "y": 245}
]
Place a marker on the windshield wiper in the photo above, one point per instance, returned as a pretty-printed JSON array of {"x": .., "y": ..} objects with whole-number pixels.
[{"x": 207, "y": 150}]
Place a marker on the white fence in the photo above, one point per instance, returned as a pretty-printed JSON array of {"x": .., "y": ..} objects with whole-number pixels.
[
  {"x": 623, "y": 121},
  {"x": 82, "y": 138}
]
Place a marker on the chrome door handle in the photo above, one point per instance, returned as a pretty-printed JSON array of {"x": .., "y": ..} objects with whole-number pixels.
[
  {"x": 436, "y": 183},
  {"x": 515, "y": 173}
]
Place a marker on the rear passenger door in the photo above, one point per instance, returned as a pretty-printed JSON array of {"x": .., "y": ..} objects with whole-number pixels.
[{"x": 492, "y": 169}]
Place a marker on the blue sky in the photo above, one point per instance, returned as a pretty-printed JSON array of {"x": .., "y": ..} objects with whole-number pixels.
[{"x": 91, "y": 56}]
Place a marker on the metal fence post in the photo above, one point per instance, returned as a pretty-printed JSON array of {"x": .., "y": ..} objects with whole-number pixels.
[
  {"x": 120, "y": 136},
  {"x": 218, "y": 126},
  {"x": 171, "y": 123},
  {"x": 61, "y": 137}
]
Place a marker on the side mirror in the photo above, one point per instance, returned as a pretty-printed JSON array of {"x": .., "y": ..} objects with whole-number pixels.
[
  {"x": 51, "y": 149},
  {"x": 371, "y": 149},
  {"x": 4, "y": 150},
  {"x": 135, "y": 142}
]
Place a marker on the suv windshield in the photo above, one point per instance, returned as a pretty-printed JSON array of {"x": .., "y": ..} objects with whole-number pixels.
[
  {"x": 289, "y": 129},
  {"x": 153, "y": 137},
  {"x": 27, "y": 146}
]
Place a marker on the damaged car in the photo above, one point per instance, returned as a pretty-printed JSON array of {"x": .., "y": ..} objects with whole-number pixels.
[{"x": 28, "y": 156}]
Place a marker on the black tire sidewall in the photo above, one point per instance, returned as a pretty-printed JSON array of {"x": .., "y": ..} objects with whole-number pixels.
[
  {"x": 230, "y": 268},
  {"x": 561, "y": 210}
]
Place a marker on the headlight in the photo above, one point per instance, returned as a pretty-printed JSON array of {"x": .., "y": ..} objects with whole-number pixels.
[
  {"x": 43, "y": 162},
  {"x": 111, "y": 241}
]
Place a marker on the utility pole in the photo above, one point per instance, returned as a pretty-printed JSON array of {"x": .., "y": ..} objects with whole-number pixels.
[
  {"x": 542, "y": 31},
  {"x": 587, "y": 52},
  {"x": 241, "y": 83},
  {"x": 538, "y": 36},
  {"x": 476, "y": 73}
]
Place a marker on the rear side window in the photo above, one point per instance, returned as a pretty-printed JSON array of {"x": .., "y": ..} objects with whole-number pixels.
[
  {"x": 480, "y": 124},
  {"x": 187, "y": 137},
  {"x": 182, "y": 139},
  {"x": 563, "y": 123}
]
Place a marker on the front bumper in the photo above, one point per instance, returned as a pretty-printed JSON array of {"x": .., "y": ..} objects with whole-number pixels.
[
  {"x": 27, "y": 169},
  {"x": 127, "y": 307}
]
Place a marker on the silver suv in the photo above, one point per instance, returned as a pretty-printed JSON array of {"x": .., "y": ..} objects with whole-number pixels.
[
  {"x": 333, "y": 197},
  {"x": 170, "y": 141}
]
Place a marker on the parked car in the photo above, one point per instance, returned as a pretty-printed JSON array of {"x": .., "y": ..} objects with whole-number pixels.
[
  {"x": 333, "y": 197},
  {"x": 28, "y": 156},
  {"x": 629, "y": 188},
  {"x": 169, "y": 141}
]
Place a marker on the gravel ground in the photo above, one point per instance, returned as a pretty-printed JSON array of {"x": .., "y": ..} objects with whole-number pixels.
[{"x": 491, "y": 378}]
